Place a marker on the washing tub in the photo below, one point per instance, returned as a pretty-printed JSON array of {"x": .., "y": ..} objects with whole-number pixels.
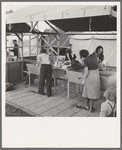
[{"x": 107, "y": 79}]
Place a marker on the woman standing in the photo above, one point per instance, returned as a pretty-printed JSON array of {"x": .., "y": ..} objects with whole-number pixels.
[
  {"x": 91, "y": 81},
  {"x": 45, "y": 72},
  {"x": 69, "y": 54},
  {"x": 83, "y": 54}
]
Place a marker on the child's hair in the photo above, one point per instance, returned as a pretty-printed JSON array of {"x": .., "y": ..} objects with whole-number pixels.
[{"x": 110, "y": 94}]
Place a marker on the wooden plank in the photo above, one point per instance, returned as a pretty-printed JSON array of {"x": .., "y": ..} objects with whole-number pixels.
[
  {"x": 69, "y": 112},
  {"x": 20, "y": 96},
  {"x": 37, "y": 98},
  {"x": 82, "y": 113},
  {"x": 15, "y": 92},
  {"x": 85, "y": 113},
  {"x": 14, "y": 95},
  {"x": 95, "y": 114},
  {"x": 73, "y": 111},
  {"x": 52, "y": 105},
  {"x": 38, "y": 105},
  {"x": 60, "y": 93},
  {"x": 26, "y": 110},
  {"x": 69, "y": 108},
  {"x": 56, "y": 106},
  {"x": 32, "y": 99},
  {"x": 62, "y": 107}
]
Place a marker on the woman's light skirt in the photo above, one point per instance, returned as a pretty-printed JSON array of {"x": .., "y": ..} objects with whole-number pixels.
[{"x": 91, "y": 88}]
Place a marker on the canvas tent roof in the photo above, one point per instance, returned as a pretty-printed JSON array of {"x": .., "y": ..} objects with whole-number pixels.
[
  {"x": 87, "y": 37},
  {"x": 68, "y": 18},
  {"x": 20, "y": 28},
  {"x": 23, "y": 28}
]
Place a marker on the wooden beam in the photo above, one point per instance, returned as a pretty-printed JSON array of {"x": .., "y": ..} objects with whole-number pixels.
[
  {"x": 49, "y": 45},
  {"x": 34, "y": 37},
  {"x": 39, "y": 37},
  {"x": 22, "y": 58},
  {"x": 18, "y": 37},
  {"x": 56, "y": 37},
  {"x": 90, "y": 21},
  {"x": 31, "y": 26},
  {"x": 34, "y": 26},
  {"x": 58, "y": 45},
  {"x": 9, "y": 26},
  {"x": 114, "y": 13},
  {"x": 29, "y": 45},
  {"x": 52, "y": 42},
  {"x": 51, "y": 26},
  {"x": 92, "y": 33}
]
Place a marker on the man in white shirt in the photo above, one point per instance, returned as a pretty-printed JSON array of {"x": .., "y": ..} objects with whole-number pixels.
[{"x": 45, "y": 72}]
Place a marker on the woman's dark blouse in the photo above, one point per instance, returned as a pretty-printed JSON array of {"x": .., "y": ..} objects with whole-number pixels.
[
  {"x": 91, "y": 62},
  {"x": 69, "y": 51}
]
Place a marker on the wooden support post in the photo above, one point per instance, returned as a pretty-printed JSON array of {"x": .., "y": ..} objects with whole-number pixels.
[
  {"x": 68, "y": 89},
  {"x": 6, "y": 61},
  {"x": 6, "y": 47},
  {"x": 32, "y": 27},
  {"x": 54, "y": 85},
  {"x": 48, "y": 41},
  {"x": 58, "y": 50},
  {"x": 29, "y": 45},
  {"x": 22, "y": 59},
  {"x": 90, "y": 21},
  {"x": 77, "y": 86},
  {"x": 38, "y": 51},
  {"x": 29, "y": 80}
]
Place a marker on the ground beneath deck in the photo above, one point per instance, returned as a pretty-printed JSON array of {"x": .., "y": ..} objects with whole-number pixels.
[{"x": 30, "y": 103}]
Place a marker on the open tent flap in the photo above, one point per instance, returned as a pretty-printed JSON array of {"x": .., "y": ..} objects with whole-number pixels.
[{"x": 90, "y": 43}]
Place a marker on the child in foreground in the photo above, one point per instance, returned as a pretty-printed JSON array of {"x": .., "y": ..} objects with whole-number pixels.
[{"x": 108, "y": 108}]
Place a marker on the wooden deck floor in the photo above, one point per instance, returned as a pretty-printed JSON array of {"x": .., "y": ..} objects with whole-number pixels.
[{"x": 57, "y": 105}]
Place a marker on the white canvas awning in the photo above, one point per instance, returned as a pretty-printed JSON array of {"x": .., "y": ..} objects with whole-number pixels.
[
  {"x": 90, "y": 43},
  {"x": 55, "y": 12}
]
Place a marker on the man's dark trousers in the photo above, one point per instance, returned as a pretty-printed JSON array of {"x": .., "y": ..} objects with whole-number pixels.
[{"x": 45, "y": 74}]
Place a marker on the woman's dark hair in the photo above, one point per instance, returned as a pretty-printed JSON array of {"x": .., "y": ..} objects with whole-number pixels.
[
  {"x": 83, "y": 53},
  {"x": 70, "y": 44},
  {"x": 14, "y": 40},
  {"x": 101, "y": 57},
  {"x": 43, "y": 51},
  {"x": 98, "y": 48}
]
